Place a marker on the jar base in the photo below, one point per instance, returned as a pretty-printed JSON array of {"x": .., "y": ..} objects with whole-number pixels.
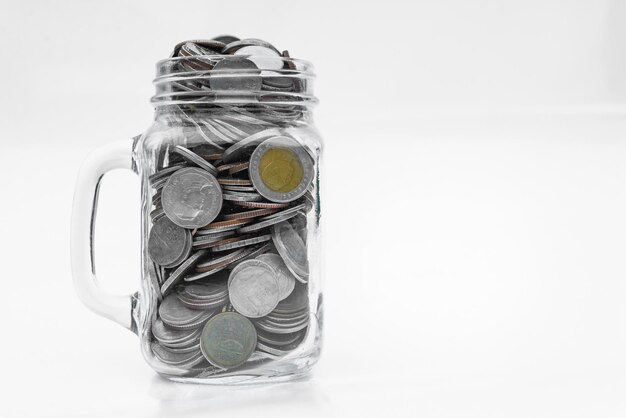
[{"x": 276, "y": 372}]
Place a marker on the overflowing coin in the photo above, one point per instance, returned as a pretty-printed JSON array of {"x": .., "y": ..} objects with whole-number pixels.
[{"x": 232, "y": 192}]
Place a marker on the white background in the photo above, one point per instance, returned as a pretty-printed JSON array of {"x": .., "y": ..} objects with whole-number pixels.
[{"x": 474, "y": 205}]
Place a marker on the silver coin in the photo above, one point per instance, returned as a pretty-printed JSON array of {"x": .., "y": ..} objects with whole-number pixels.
[
  {"x": 158, "y": 184},
  {"x": 215, "y": 44},
  {"x": 235, "y": 73},
  {"x": 220, "y": 260},
  {"x": 183, "y": 360},
  {"x": 254, "y": 251},
  {"x": 210, "y": 238},
  {"x": 155, "y": 281},
  {"x": 278, "y": 340},
  {"x": 266, "y": 223},
  {"x": 196, "y": 159},
  {"x": 233, "y": 47},
  {"x": 168, "y": 243},
  {"x": 297, "y": 302},
  {"x": 192, "y": 304},
  {"x": 278, "y": 352},
  {"x": 194, "y": 348},
  {"x": 228, "y": 340},
  {"x": 296, "y": 168},
  {"x": 286, "y": 281},
  {"x": 271, "y": 327},
  {"x": 291, "y": 248},
  {"x": 177, "y": 275},
  {"x": 205, "y": 274},
  {"x": 239, "y": 188},
  {"x": 241, "y": 196},
  {"x": 293, "y": 209},
  {"x": 192, "y": 198},
  {"x": 204, "y": 292},
  {"x": 165, "y": 172},
  {"x": 178, "y": 316},
  {"x": 253, "y": 288},
  {"x": 242, "y": 243},
  {"x": 156, "y": 199},
  {"x": 174, "y": 338},
  {"x": 244, "y": 147},
  {"x": 157, "y": 214},
  {"x": 226, "y": 39},
  {"x": 264, "y": 58}
]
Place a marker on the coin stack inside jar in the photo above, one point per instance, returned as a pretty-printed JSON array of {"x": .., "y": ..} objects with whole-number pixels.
[{"x": 230, "y": 201}]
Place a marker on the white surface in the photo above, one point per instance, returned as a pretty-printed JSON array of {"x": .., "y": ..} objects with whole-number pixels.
[{"x": 475, "y": 258}]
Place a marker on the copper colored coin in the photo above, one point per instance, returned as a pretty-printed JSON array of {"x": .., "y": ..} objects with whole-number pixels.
[
  {"x": 230, "y": 166},
  {"x": 227, "y": 223},
  {"x": 250, "y": 214},
  {"x": 262, "y": 205},
  {"x": 239, "y": 168},
  {"x": 223, "y": 261},
  {"x": 224, "y": 241},
  {"x": 212, "y": 157},
  {"x": 234, "y": 182}
]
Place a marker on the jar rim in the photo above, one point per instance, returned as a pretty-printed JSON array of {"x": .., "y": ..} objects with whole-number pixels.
[
  {"x": 194, "y": 80},
  {"x": 294, "y": 65}
]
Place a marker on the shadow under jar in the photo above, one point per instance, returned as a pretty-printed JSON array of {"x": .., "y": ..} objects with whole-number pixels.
[{"x": 231, "y": 268}]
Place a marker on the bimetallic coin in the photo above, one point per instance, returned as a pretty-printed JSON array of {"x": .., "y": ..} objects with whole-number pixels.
[
  {"x": 253, "y": 288},
  {"x": 192, "y": 198},
  {"x": 281, "y": 170},
  {"x": 286, "y": 280},
  {"x": 235, "y": 73},
  {"x": 228, "y": 340},
  {"x": 168, "y": 243},
  {"x": 291, "y": 248}
]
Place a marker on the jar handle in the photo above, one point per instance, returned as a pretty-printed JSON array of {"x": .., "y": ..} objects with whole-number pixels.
[{"x": 115, "y": 307}]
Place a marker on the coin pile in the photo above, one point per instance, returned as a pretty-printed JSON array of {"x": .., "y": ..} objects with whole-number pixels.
[{"x": 227, "y": 237}]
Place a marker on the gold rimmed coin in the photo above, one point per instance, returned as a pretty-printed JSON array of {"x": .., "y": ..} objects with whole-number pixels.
[{"x": 280, "y": 169}]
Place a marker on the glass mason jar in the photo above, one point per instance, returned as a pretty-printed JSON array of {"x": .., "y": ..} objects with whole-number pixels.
[{"x": 231, "y": 269}]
